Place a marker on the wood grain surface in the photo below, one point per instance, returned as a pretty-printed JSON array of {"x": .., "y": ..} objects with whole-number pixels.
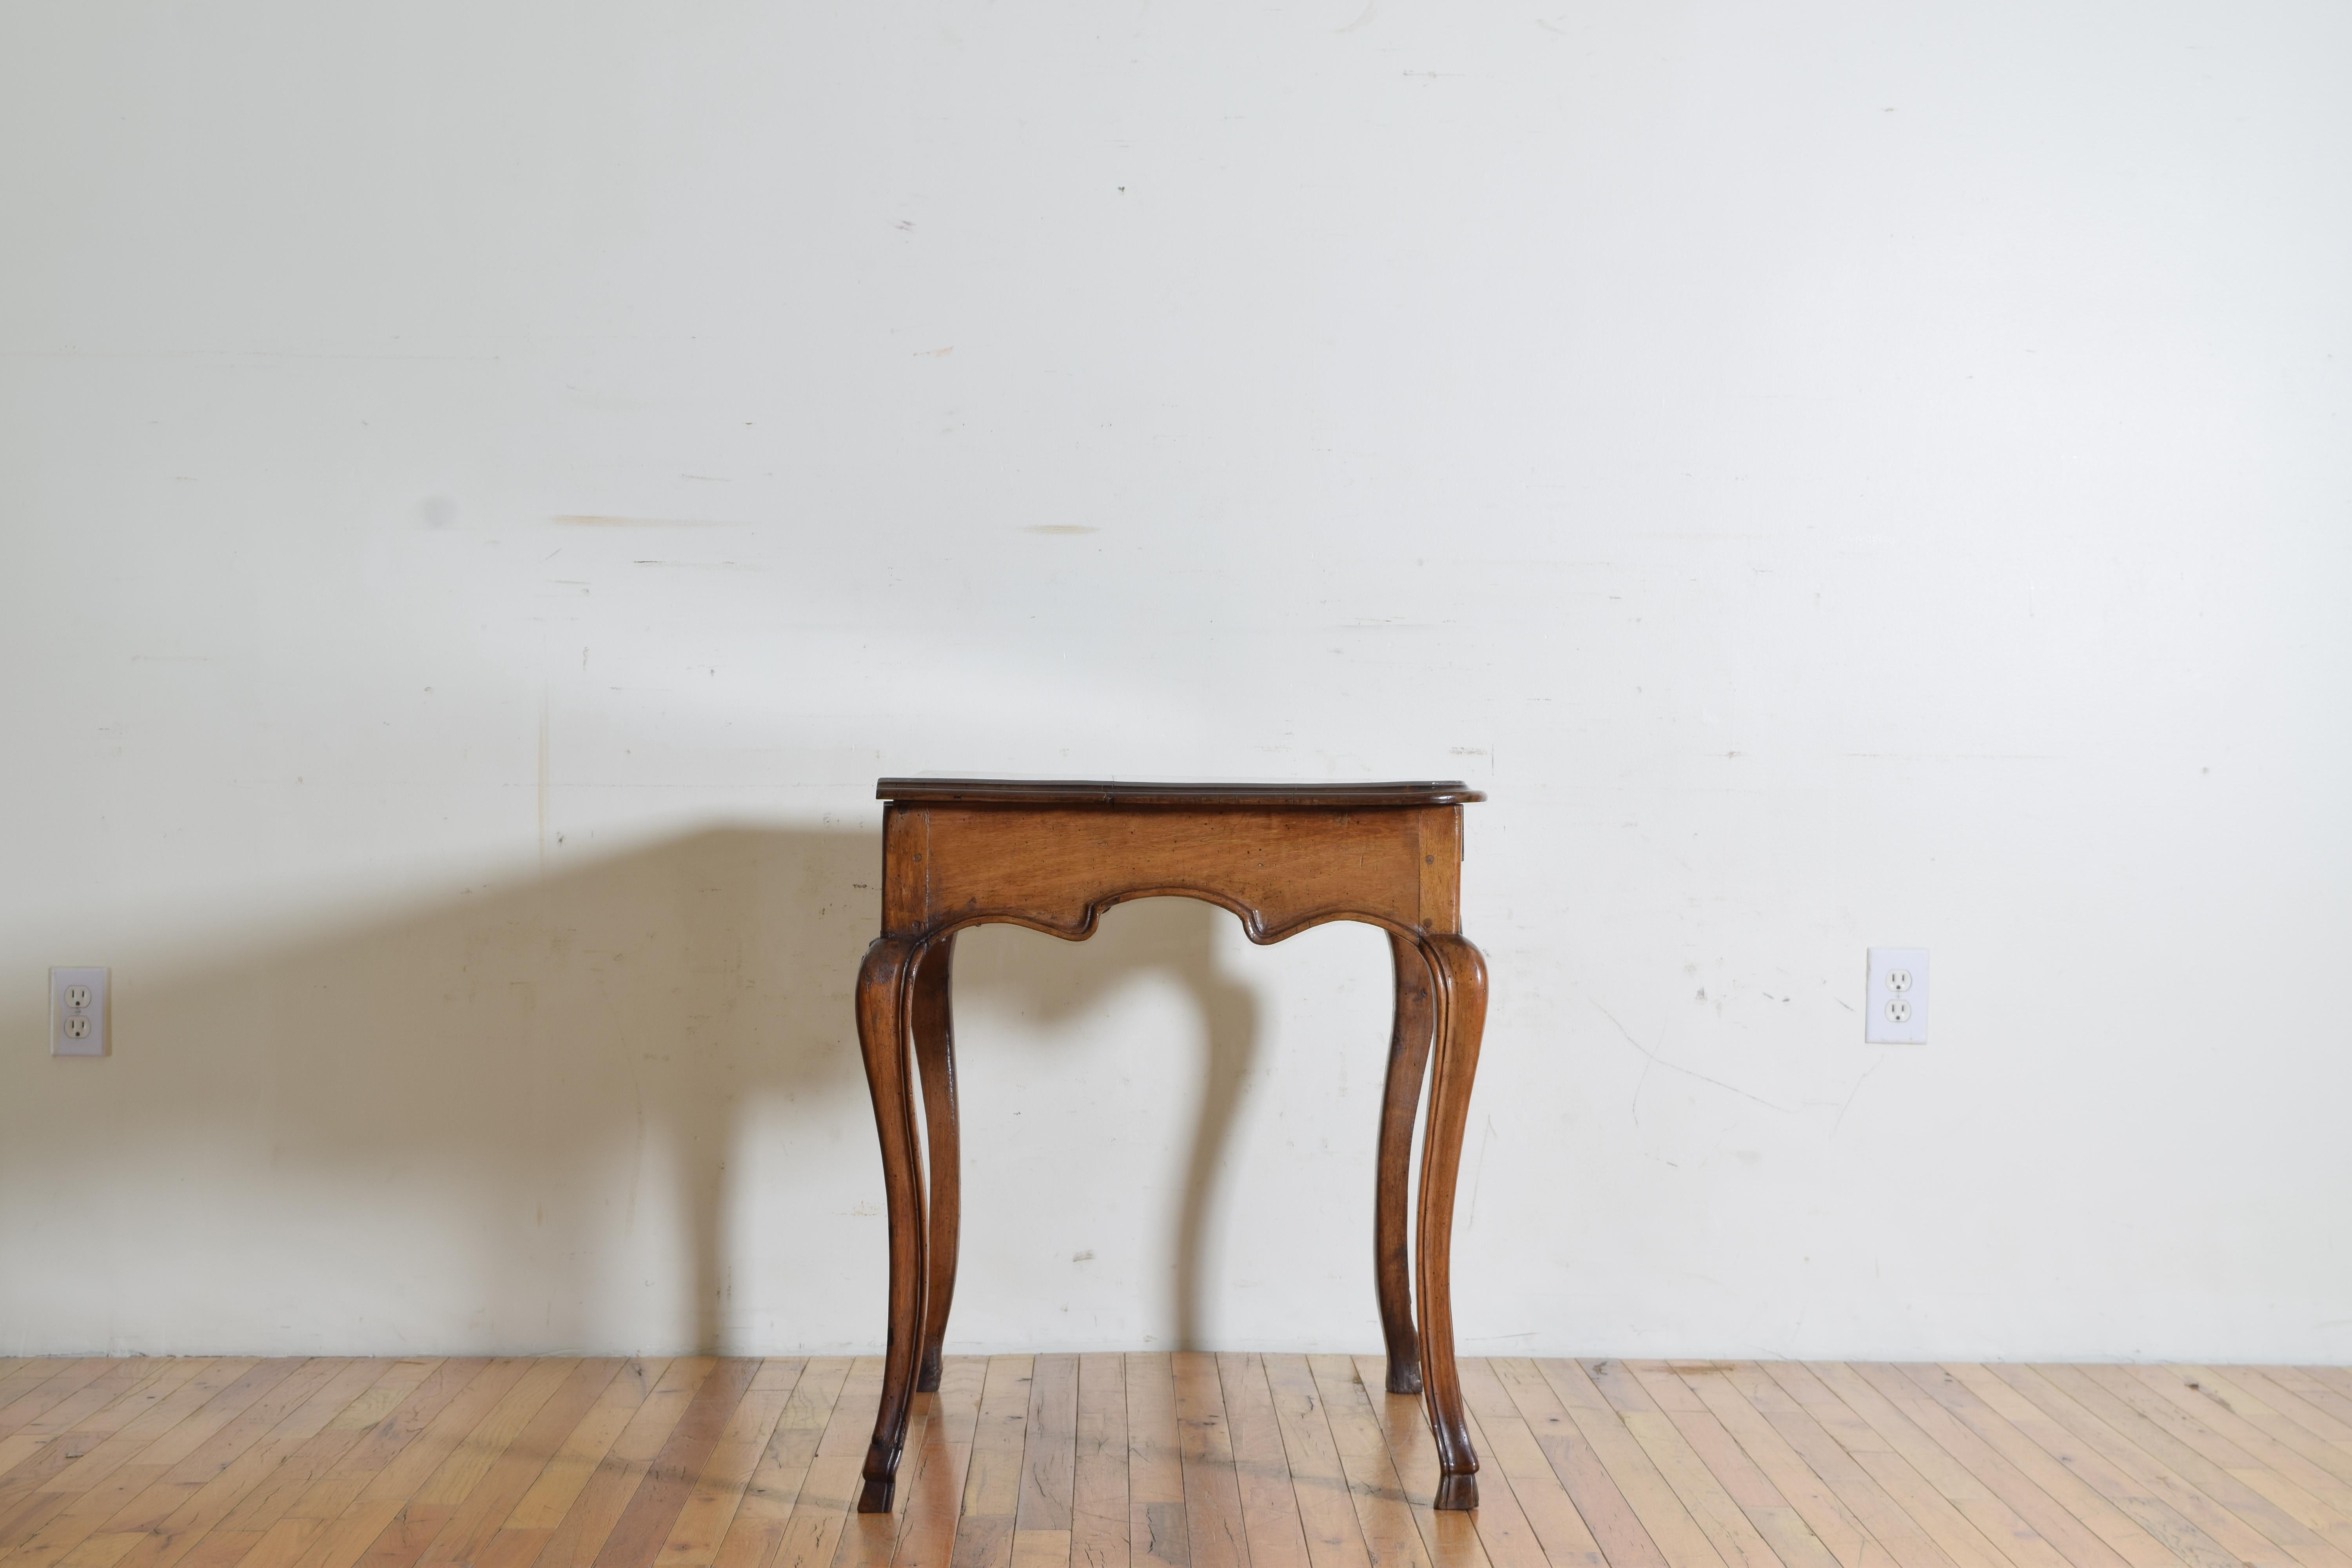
[
  {"x": 1168, "y": 1461},
  {"x": 1118, "y": 792}
]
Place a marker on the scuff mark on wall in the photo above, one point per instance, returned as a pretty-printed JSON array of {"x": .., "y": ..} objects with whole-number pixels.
[
  {"x": 543, "y": 781},
  {"x": 599, "y": 520},
  {"x": 1856, "y": 1091},
  {"x": 1651, "y": 1059},
  {"x": 1478, "y": 1175}
]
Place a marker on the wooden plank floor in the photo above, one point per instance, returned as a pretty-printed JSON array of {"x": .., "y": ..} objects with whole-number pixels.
[{"x": 1166, "y": 1461}]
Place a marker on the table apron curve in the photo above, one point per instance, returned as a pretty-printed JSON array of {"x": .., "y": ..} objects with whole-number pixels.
[{"x": 1054, "y": 869}]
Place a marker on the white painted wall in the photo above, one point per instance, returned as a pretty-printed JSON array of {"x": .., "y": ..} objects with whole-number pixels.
[{"x": 485, "y": 490}]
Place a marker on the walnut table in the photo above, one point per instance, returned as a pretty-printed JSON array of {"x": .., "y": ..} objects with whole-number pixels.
[{"x": 1053, "y": 857}]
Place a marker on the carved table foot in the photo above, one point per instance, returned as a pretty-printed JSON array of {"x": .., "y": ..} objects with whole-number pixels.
[{"x": 1457, "y": 1491}]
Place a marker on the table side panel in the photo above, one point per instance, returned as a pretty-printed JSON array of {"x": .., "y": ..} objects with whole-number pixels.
[
  {"x": 905, "y": 869},
  {"x": 1441, "y": 870},
  {"x": 1056, "y": 866}
]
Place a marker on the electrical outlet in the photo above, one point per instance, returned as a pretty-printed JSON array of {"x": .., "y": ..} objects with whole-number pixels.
[
  {"x": 1894, "y": 998},
  {"x": 77, "y": 1011}
]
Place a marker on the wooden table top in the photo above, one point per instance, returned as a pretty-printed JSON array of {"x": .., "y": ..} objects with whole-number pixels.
[{"x": 1112, "y": 792}]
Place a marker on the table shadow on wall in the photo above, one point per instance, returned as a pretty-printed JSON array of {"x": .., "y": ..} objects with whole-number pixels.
[{"x": 491, "y": 1076}]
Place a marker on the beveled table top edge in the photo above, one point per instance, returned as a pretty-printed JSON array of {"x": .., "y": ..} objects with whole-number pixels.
[{"x": 1119, "y": 791}]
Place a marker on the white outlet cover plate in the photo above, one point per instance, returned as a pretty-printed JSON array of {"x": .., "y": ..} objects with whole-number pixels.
[
  {"x": 65, "y": 988},
  {"x": 1895, "y": 1008}
]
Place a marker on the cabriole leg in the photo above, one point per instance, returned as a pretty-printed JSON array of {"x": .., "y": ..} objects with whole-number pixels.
[
  {"x": 934, "y": 1034},
  {"x": 1460, "y": 973},
  {"x": 1408, "y": 1063},
  {"x": 882, "y": 1031}
]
